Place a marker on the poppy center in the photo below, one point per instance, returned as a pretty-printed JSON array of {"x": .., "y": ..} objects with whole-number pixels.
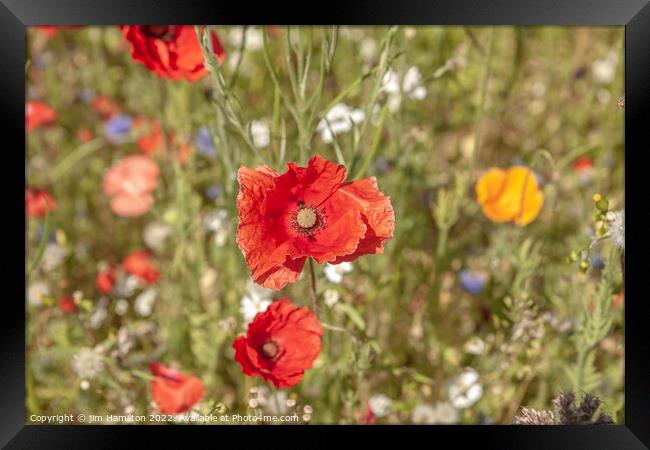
[
  {"x": 157, "y": 31},
  {"x": 306, "y": 220},
  {"x": 270, "y": 349},
  {"x": 306, "y": 217}
]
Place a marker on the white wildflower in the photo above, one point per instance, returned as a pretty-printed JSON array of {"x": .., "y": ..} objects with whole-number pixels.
[
  {"x": 99, "y": 314},
  {"x": 255, "y": 300},
  {"x": 475, "y": 346},
  {"x": 410, "y": 86},
  {"x": 445, "y": 413},
  {"x": 217, "y": 223},
  {"x": 121, "y": 307},
  {"x": 36, "y": 292},
  {"x": 155, "y": 234},
  {"x": 87, "y": 363},
  {"x": 261, "y": 133},
  {"x": 332, "y": 297},
  {"x": 465, "y": 390},
  {"x": 380, "y": 405},
  {"x": 215, "y": 220},
  {"x": 126, "y": 286},
  {"x": 338, "y": 120},
  {"x": 144, "y": 302},
  {"x": 410, "y": 32},
  {"x": 368, "y": 49},
  {"x": 604, "y": 69},
  {"x": 616, "y": 226},
  {"x": 125, "y": 340},
  {"x": 274, "y": 403},
  {"x": 254, "y": 40},
  {"x": 334, "y": 273},
  {"x": 53, "y": 255},
  {"x": 423, "y": 414}
]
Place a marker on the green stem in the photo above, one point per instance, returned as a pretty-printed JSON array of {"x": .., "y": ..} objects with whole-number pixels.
[
  {"x": 441, "y": 246},
  {"x": 74, "y": 157},
  {"x": 41, "y": 246},
  {"x": 481, "y": 110},
  {"x": 314, "y": 292}
]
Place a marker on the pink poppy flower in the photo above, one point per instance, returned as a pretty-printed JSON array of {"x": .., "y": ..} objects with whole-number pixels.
[{"x": 129, "y": 184}]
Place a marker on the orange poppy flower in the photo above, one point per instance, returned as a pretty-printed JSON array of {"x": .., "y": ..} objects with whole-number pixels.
[
  {"x": 173, "y": 391},
  {"x": 307, "y": 212},
  {"x": 510, "y": 195},
  {"x": 38, "y": 114}
]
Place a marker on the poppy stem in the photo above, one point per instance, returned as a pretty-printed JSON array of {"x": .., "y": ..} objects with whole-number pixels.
[{"x": 314, "y": 293}]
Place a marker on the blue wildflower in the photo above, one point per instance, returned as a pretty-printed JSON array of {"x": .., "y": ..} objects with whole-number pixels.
[
  {"x": 597, "y": 262},
  {"x": 213, "y": 191},
  {"x": 118, "y": 127},
  {"x": 86, "y": 95},
  {"x": 382, "y": 165},
  {"x": 472, "y": 282},
  {"x": 204, "y": 143}
]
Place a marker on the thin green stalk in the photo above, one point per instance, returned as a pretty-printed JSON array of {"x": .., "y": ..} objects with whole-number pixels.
[
  {"x": 240, "y": 58},
  {"x": 441, "y": 246},
  {"x": 375, "y": 144},
  {"x": 481, "y": 110},
  {"x": 41, "y": 246},
  {"x": 74, "y": 157},
  {"x": 314, "y": 292}
]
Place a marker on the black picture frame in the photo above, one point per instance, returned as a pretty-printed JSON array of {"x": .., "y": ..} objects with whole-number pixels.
[{"x": 15, "y": 15}]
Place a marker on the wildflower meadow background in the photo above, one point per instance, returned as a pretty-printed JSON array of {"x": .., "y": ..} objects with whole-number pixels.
[{"x": 204, "y": 235}]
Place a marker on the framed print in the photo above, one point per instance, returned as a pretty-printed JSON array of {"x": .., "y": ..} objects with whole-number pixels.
[{"x": 382, "y": 219}]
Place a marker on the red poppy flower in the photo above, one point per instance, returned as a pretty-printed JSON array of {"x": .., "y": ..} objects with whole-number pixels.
[
  {"x": 139, "y": 264},
  {"x": 151, "y": 137},
  {"x": 84, "y": 134},
  {"x": 170, "y": 51},
  {"x": 174, "y": 392},
  {"x": 280, "y": 344},
  {"x": 66, "y": 304},
  {"x": 105, "y": 280},
  {"x": 104, "y": 106},
  {"x": 583, "y": 163},
  {"x": 38, "y": 114},
  {"x": 38, "y": 202},
  {"x": 307, "y": 211}
]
